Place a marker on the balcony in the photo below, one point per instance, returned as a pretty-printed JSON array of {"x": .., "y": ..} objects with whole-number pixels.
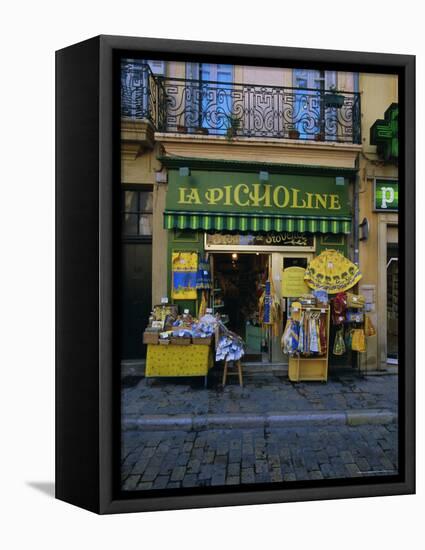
[{"x": 174, "y": 105}]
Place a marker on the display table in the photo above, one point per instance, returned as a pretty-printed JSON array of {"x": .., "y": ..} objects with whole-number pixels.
[{"x": 177, "y": 360}]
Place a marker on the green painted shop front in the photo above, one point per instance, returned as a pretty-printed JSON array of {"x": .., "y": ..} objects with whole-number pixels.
[{"x": 262, "y": 203}]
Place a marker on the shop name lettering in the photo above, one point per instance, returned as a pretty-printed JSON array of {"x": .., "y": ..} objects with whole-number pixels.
[{"x": 258, "y": 194}]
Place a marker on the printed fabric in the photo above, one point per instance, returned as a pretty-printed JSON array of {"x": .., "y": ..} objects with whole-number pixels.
[
  {"x": 184, "y": 268},
  {"x": 332, "y": 272}
]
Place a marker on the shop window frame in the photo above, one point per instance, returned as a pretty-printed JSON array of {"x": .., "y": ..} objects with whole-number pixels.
[{"x": 133, "y": 237}]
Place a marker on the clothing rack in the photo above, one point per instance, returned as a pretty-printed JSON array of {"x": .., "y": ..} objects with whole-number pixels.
[{"x": 314, "y": 367}]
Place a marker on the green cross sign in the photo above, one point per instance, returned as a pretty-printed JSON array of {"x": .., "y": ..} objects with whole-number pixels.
[{"x": 384, "y": 134}]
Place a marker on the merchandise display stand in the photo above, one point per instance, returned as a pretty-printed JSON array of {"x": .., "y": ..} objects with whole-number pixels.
[
  {"x": 305, "y": 367},
  {"x": 176, "y": 360}
]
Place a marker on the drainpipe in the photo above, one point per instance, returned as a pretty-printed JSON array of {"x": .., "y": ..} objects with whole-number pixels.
[{"x": 356, "y": 222}]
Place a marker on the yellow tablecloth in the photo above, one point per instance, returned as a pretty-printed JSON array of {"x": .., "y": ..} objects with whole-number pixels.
[{"x": 175, "y": 360}]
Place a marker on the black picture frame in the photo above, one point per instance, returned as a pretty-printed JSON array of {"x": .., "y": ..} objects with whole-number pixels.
[{"x": 87, "y": 139}]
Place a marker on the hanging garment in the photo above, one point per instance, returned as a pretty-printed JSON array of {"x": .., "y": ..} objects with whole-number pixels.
[
  {"x": 203, "y": 305},
  {"x": 290, "y": 337},
  {"x": 314, "y": 335},
  {"x": 301, "y": 334},
  {"x": 269, "y": 308},
  {"x": 203, "y": 277},
  {"x": 339, "y": 305},
  {"x": 323, "y": 335},
  {"x": 331, "y": 271}
]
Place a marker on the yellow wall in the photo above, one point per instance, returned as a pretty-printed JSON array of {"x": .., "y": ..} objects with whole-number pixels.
[{"x": 377, "y": 94}]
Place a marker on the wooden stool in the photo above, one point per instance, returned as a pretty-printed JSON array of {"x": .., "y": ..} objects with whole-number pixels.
[{"x": 239, "y": 373}]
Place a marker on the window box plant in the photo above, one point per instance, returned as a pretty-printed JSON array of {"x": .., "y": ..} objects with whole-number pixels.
[
  {"x": 333, "y": 99},
  {"x": 234, "y": 123}
]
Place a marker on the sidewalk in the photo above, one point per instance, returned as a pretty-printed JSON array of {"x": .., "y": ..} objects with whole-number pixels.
[
  {"x": 263, "y": 396},
  {"x": 178, "y": 434}
]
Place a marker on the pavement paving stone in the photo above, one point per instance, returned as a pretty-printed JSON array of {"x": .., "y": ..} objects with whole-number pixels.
[
  {"x": 161, "y": 482},
  {"x": 232, "y": 480},
  {"x": 130, "y": 483},
  {"x": 261, "y": 393},
  {"x": 363, "y": 464},
  {"x": 247, "y": 475},
  {"x": 178, "y": 473},
  {"x": 150, "y": 474},
  {"x": 174, "y": 458},
  {"x": 279, "y": 460}
]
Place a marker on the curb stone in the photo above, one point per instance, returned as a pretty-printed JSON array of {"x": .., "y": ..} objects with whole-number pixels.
[{"x": 264, "y": 421}]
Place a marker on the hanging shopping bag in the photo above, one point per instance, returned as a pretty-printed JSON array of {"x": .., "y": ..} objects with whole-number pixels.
[
  {"x": 339, "y": 345},
  {"x": 359, "y": 340},
  {"x": 348, "y": 339},
  {"x": 369, "y": 327},
  {"x": 355, "y": 300}
]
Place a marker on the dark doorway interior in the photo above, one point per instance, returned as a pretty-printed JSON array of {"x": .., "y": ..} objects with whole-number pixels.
[
  {"x": 392, "y": 302},
  {"x": 241, "y": 278},
  {"x": 136, "y": 297},
  {"x": 137, "y": 207}
]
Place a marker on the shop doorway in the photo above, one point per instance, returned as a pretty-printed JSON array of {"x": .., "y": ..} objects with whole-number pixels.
[
  {"x": 392, "y": 303},
  {"x": 239, "y": 280},
  {"x": 136, "y": 297}
]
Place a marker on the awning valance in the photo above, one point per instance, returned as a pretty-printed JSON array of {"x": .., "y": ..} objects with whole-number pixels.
[{"x": 213, "y": 221}]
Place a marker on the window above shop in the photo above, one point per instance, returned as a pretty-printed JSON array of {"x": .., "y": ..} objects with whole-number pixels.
[{"x": 137, "y": 213}]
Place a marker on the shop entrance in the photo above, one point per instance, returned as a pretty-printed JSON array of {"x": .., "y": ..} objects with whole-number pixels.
[
  {"x": 239, "y": 280},
  {"x": 392, "y": 303}
]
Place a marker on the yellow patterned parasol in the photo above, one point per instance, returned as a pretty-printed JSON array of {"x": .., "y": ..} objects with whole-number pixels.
[{"x": 332, "y": 271}]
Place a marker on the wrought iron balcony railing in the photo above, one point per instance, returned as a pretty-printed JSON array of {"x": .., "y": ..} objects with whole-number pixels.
[{"x": 191, "y": 106}]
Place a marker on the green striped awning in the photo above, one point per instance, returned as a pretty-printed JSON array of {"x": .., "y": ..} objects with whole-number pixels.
[{"x": 213, "y": 221}]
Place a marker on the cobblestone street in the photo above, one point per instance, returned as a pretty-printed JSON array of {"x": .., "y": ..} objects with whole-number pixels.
[{"x": 172, "y": 458}]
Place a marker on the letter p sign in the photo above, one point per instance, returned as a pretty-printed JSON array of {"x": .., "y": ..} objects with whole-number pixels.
[{"x": 387, "y": 197}]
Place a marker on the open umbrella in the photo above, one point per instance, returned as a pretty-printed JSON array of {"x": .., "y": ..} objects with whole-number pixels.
[{"x": 332, "y": 271}]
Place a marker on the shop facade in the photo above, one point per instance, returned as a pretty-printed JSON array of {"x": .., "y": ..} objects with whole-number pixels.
[
  {"x": 252, "y": 226},
  {"x": 274, "y": 196}
]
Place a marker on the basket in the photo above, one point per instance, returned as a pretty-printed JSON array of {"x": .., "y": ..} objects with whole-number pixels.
[
  {"x": 150, "y": 337},
  {"x": 202, "y": 341},
  {"x": 181, "y": 341},
  {"x": 164, "y": 341}
]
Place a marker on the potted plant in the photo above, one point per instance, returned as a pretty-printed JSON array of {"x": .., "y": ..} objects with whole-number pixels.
[
  {"x": 181, "y": 129},
  {"x": 293, "y": 133},
  {"x": 333, "y": 99},
  {"x": 234, "y": 123},
  {"x": 202, "y": 131}
]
